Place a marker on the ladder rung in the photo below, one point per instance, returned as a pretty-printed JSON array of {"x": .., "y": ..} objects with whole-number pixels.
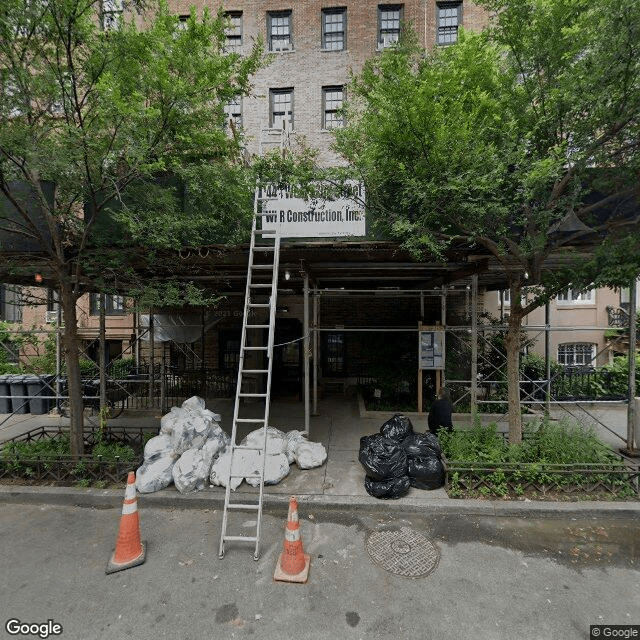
[
  {"x": 240, "y": 505},
  {"x": 259, "y": 248},
  {"x": 253, "y": 420},
  {"x": 257, "y": 326},
  {"x": 243, "y": 447},
  {"x": 252, "y": 395},
  {"x": 262, "y": 266},
  {"x": 239, "y": 538},
  {"x": 265, "y": 232},
  {"x": 259, "y": 304},
  {"x": 261, "y": 285},
  {"x": 255, "y": 348},
  {"x": 255, "y": 371}
]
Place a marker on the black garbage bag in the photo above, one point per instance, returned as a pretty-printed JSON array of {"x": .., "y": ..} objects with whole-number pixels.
[
  {"x": 389, "y": 489},
  {"x": 422, "y": 445},
  {"x": 397, "y": 428},
  {"x": 425, "y": 473},
  {"x": 382, "y": 458}
]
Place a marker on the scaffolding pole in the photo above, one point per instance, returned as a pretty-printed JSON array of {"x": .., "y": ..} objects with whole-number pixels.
[{"x": 631, "y": 417}]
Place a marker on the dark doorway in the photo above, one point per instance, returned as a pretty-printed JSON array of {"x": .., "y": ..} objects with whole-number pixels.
[{"x": 286, "y": 377}]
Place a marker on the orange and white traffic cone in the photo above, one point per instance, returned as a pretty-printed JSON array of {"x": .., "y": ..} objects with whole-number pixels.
[
  {"x": 293, "y": 563},
  {"x": 129, "y": 551}
]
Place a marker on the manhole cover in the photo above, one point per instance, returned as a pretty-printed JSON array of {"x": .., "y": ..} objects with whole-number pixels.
[{"x": 405, "y": 552}]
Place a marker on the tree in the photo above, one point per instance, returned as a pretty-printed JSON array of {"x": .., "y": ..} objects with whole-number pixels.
[
  {"x": 92, "y": 121},
  {"x": 521, "y": 141}
]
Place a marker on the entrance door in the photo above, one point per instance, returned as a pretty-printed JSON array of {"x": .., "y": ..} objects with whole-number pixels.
[{"x": 286, "y": 376}]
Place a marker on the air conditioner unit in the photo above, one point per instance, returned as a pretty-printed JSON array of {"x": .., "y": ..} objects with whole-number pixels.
[{"x": 51, "y": 317}]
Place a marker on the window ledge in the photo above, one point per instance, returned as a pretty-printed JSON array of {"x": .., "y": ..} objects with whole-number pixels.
[
  {"x": 334, "y": 50},
  {"x": 283, "y": 51}
]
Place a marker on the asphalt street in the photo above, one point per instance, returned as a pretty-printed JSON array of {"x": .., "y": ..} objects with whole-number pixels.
[{"x": 489, "y": 578}]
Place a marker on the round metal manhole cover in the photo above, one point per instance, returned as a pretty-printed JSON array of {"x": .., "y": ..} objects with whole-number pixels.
[{"x": 405, "y": 552}]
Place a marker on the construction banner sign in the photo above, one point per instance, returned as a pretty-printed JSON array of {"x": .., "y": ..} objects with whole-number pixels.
[{"x": 296, "y": 217}]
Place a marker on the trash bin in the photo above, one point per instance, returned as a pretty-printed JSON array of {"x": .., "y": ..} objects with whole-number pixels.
[
  {"x": 19, "y": 401},
  {"x": 37, "y": 390},
  {"x": 5, "y": 394}
]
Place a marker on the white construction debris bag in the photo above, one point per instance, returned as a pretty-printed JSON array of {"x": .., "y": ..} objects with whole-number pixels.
[
  {"x": 219, "y": 437},
  {"x": 245, "y": 463},
  {"x": 155, "y": 475},
  {"x": 194, "y": 404},
  {"x": 310, "y": 454},
  {"x": 294, "y": 437},
  {"x": 276, "y": 440},
  {"x": 275, "y": 469},
  {"x": 157, "y": 447},
  {"x": 169, "y": 420},
  {"x": 190, "y": 472}
]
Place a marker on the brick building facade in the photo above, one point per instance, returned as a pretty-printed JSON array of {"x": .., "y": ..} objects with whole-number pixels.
[{"x": 315, "y": 46}]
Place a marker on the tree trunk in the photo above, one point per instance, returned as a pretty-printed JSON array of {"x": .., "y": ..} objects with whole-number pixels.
[
  {"x": 513, "y": 380},
  {"x": 71, "y": 348}
]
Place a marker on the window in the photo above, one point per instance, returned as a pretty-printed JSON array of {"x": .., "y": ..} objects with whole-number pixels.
[
  {"x": 281, "y": 108},
  {"x": 449, "y": 18},
  {"x": 233, "y": 111},
  {"x": 111, "y": 14},
  {"x": 113, "y": 305},
  {"x": 334, "y": 29},
  {"x": 183, "y": 21},
  {"x": 279, "y": 30},
  {"x": 229, "y": 351},
  {"x": 331, "y": 102},
  {"x": 10, "y": 303},
  {"x": 577, "y": 354},
  {"x": 333, "y": 355},
  {"x": 234, "y": 30},
  {"x": 576, "y": 296},
  {"x": 389, "y": 18}
]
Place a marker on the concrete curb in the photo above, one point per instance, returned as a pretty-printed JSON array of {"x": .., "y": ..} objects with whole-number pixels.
[{"x": 214, "y": 499}]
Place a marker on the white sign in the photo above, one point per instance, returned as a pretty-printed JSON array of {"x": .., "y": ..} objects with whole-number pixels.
[
  {"x": 431, "y": 349},
  {"x": 317, "y": 218}
]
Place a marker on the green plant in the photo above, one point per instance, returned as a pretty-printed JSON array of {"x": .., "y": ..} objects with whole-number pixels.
[
  {"x": 114, "y": 452},
  {"x": 120, "y": 368}
]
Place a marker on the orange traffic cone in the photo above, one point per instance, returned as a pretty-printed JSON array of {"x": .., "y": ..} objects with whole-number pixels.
[
  {"x": 129, "y": 551},
  {"x": 293, "y": 563}
]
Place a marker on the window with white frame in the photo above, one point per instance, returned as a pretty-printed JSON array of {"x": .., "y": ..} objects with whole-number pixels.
[
  {"x": 389, "y": 22},
  {"x": 449, "y": 19},
  {"x": 281, "y": 108},
  {"x": 111, "y": 14},
  {"x": 233, "y": 111},
  {"x": 279, "y": 30},
  {"x": 332, "y": 98},
  {"x": 334, "y": 29},
  {"x": 577, "y": 354},
  {"x": 234, "y": 31},
  {"x": 113, "y": 305},
  {"x": 576, "y": 296}
]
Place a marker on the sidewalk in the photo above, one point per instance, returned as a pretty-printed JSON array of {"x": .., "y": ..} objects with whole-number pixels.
[{"x": 338, "y": 484}]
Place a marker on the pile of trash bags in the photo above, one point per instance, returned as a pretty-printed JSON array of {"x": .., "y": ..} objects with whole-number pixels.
[
  {"x": 398, "y": 458},
  {"x": 192, "y": 450}
]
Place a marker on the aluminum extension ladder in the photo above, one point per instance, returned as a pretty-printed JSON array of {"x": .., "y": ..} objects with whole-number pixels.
[{"x": 255, "y": 364}]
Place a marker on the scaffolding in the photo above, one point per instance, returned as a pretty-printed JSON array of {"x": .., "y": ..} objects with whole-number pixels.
[{"x": 475, "y": 370}]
